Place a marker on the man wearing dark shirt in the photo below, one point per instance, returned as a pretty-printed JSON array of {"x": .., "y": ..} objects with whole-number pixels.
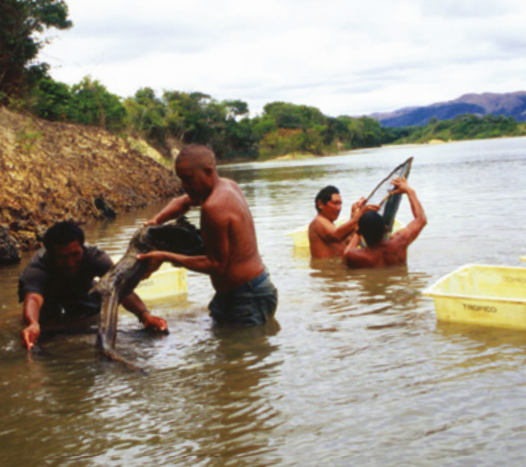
[{"x": 55, "y": 284}]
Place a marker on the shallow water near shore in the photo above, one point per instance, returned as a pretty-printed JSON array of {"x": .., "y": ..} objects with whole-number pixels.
[{"x": 356, "y": 370}]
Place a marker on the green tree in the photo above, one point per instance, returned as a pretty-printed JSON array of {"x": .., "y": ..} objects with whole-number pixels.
[
  {"x": 53, "y": 100},
  {"x": 264, "y": 124},
  {"x": 236, "y": 108},
  {"x": 20, "y": 22},
  {"x": 147, "y": 115},
  {"x": 93, "y": 104}
]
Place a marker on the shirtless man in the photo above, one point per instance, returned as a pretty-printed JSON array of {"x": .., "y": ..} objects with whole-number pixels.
[
  {"x": 325, "y": 239},
  {"x": 244, "y": 293},
  {"x": 381, "y": 253},
  {"x": 55, "y": 285}
]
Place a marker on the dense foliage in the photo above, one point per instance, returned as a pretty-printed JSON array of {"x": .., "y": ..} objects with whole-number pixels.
[
  {"x": 463, "y": 127},
  {"x": 87, "y": 102},
  {"x": 20, "y": 22},
  {"x": 192, "y": 118},
  {"x": 282, "y": 128}
]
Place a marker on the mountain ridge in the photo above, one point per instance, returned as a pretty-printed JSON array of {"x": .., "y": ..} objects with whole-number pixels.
[{"x": 512, "y": 104}]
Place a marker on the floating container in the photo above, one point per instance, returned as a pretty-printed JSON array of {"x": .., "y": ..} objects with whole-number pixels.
[
  {"x": 300, "y": 237},
  {"x": 483, "y": 295},
  {"x": 165, "y": 284}
]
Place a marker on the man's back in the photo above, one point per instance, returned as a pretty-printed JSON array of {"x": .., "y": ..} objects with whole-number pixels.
[
  {"x": 381, "y": 253},
  {"x": 228, "y": 231},
  {"x": 392, "y": 252}
]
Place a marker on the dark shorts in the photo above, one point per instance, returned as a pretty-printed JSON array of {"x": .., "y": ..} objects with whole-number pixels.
[{"x": 250, "y": 304}]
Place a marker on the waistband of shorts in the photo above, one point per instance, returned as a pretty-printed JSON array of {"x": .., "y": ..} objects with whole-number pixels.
[{"x": 253, "y": 283}]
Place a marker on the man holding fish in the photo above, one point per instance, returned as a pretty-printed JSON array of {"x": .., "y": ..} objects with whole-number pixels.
[
  {"x": 245, "y": 295},
  {"x": 378, "y": 252}
]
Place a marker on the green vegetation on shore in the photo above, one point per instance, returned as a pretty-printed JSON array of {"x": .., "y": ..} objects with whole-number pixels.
[
  {"x": 464, "y": 127},
  {"x": 177, "y": 117}
]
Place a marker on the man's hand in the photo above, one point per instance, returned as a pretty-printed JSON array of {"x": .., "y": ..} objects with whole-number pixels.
[
  {"x": 30, "y": 335},
  {"x": 155, "y": 259},
  {"x": 370, "y": 207},
  {"x": 153, "y": 323},
  {"x": 151, "y": 221},
  {"x": 357, "y": 206},
  {"x": 401, "y": 185},
  {"x": 360, "y": 208}
]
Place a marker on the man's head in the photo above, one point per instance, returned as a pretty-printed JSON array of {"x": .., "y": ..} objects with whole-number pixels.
[
  {"x": 64, "y": 242},
  {"x": 196, "y": 168},
  {"x": 329, "y": 202},
  {"x": 371, "y": 227}
]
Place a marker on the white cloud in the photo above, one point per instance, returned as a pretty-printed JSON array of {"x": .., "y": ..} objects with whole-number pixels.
[{"x": 343, "y": 56}]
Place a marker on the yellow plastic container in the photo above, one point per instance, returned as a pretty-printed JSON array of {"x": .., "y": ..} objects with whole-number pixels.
[
  {"x": 483, "y": 295},
  {"x": 167, "y": 283},
  {"x": 523, "y": 258},
  {"x": 300, "y": 237}
]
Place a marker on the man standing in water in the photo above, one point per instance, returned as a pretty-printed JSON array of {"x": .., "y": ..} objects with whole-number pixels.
[
  {"x": 381, "y": 253},
  {"x": 244, "y": 296},
  {"x": 326, "y": 240},
  {"x": 54, "y": 286}
]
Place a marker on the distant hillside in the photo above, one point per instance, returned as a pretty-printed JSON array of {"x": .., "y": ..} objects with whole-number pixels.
[{"x": 509, "y": 104}]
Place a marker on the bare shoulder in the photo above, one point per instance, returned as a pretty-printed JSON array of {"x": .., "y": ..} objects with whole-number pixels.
[
  {"x": 314, "y": 223},
  {"x": 225, "y": 202},
  {"x": 399, "y": 239},
  {"x": 320, "y": 223},
  {"x": 224, "y": 192}
]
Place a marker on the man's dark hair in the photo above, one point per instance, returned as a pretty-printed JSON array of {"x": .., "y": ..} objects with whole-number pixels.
[
  {"x": 371, "y": 227},
  {"x": 325, "y": 195},
  {"x": 63, "y": 233}
]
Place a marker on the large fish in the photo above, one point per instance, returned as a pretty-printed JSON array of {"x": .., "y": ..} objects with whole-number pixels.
[{"x": 180, "y": 237}]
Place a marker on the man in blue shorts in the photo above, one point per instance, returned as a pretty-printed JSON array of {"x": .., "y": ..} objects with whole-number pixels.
[
  {"x": 245, "y": 295},
  {"x": 55, "y": 284}
]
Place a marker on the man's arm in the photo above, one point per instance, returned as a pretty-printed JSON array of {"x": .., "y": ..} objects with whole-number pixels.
[
  {"x": 215, "y": 261},
  {"x": 135, "y": 305},
  {"x": 32, "y": 305},
  {"x": 353, "y": 244},
  {"x": 355, "y": 257},
  {"x": 175, "y": 208},
  {"x": 200, "y": 264},
  {"x": 413, "y": 229},
  {"x": 329, "y": 233}
]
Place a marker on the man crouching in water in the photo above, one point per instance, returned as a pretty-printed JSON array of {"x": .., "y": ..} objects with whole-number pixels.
[
  {"x": 245, "y": 296},
  {"x": 381, "y": 253},
  {"x": 55, "y": 286},
  {"x": 326, "y": 240}
]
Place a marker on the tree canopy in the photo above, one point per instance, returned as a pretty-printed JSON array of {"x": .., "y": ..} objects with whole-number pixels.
[{"x": 20, "y": 22}]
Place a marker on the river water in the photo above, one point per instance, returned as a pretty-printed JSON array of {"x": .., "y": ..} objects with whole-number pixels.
[{"x": 357, "y": 370}]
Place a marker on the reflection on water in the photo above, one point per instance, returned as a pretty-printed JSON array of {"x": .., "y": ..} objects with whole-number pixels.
[{"x": 355, "y": 371}]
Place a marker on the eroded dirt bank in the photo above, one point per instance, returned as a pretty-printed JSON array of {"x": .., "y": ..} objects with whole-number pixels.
[{"x": 53, "y": 171}]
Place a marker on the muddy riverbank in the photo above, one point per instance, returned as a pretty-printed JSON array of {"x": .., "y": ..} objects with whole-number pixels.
[{"x": 53, "y": 171}]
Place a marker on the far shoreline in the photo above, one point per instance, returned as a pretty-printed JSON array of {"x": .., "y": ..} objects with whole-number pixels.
[{"x": 303, "y": 156}]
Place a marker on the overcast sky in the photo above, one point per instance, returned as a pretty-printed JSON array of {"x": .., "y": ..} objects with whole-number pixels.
[{"x": 345, "y": 57}]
